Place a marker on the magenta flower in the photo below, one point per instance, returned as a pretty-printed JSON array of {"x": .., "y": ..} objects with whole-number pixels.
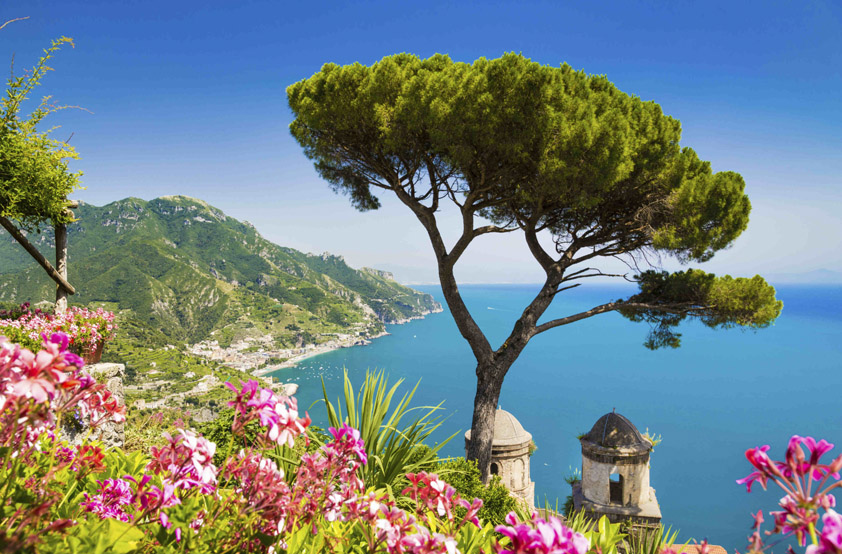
[
  {"x": 278, "y": 414},
  {"x": 431, "y": 493},
  {"x": 424, "y": 542},
  {"x": 349, "y": 439},
  {"x": 540, "y": 537},
  {"x": 803, "y": 479},
  {"x": 262, "y": 488},
  {"x": 113, "y": 496},
  {"x": 830, "y": 541}
]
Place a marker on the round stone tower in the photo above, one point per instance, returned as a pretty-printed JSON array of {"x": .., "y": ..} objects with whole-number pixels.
[
  {"x": 615, "y": 473},
  {"x": 510, "y": 456}
]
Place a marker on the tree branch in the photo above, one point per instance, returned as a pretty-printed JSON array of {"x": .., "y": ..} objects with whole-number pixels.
[
  {"x": 545, "y": 260},
  {"x": 562, "y": 289},
  {"x": 13, "y": 20},
  {"x": 51, "y": 271},
  {"x": 466, "y": 324},
  {"x": 581, "y": 274},
  {"x": 678, "y": 308}
]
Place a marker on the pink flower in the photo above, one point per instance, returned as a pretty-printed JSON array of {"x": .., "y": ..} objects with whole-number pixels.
[
  {"x": 830, "y": 541},
  {"x": 186, "y": 461},
  {"x": 805, "y": 483},
  {"x": 350, "y": 441},
  {"x": 766, "y": 469},
  {"x": 113, "y": 496},
  {"x": 432, "y": 493},
  {"x": 39, "y": 390},
  {"x": 423, "y": 542},
  {"x": 278, "y": 414},
  {"x": 817, "y": 449},
  {"x": 540, "y": 537}
]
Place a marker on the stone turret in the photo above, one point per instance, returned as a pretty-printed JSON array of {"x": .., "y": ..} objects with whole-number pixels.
[
  {"x": 615, "y": 473},
  {"x": 510, "y": 456}
]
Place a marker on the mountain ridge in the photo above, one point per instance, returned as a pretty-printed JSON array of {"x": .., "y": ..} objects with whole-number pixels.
[{"x": 190, "y": 270}]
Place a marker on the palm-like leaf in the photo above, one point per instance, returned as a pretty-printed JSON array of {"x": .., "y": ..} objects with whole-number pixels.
[{"x": 393, "y": 441}]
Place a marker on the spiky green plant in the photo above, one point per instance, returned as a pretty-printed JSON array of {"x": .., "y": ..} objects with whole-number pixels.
[
  {"x": 651, "y": 541},
  {"x": 394, "y": 441}
]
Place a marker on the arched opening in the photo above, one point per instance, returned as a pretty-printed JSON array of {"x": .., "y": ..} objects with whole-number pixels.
[
  {"x": 615, "y": 488},
  {"x": 494, "y": 469}
]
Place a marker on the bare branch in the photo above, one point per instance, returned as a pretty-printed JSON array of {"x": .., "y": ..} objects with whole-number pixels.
[
  {"x": 582, "y": 275},
  {"x": 493, "y": 229},
  {"x": 35, "y": 253},
  {"x": 545, "y": 260},
  {"x": 13, "y": 20},
  {"x": 567, "y": 288},
  {"x": 678, "y": 309}
]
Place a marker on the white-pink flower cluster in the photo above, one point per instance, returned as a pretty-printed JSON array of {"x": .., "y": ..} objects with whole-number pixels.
[
  {"x": 278, "y": 414},
  {"x": 186, "y": 461},
  {"x": 85, "y": 328},
  {"x": 36, "y": 387}
]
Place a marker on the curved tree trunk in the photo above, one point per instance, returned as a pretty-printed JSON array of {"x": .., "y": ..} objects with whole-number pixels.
[{"x": 489, "y": 383}]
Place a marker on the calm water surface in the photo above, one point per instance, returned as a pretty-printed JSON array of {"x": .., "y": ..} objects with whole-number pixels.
[{"x": 719, "y": 394}]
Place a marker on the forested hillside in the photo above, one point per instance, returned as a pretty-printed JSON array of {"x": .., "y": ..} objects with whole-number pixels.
[{"x": 186, "y": 269}]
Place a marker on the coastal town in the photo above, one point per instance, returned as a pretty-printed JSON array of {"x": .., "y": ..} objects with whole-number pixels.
[{"x": 259, "y": 356}]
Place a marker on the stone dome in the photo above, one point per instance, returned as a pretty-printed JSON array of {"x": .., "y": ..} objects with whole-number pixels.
[
  {"x": 507, "y": 431},
  {"x": 615, "y": 431}
]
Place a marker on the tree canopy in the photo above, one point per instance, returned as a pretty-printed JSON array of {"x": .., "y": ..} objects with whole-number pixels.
[
  {"x": 583, "y": 170},
  {"x": 34, "y": 176}
]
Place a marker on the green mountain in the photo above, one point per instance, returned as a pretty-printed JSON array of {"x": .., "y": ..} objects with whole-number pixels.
[{"x": 188, "y": 272}]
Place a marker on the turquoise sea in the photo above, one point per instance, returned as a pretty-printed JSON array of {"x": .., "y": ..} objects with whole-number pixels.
[{"x": 719, "y": 394}]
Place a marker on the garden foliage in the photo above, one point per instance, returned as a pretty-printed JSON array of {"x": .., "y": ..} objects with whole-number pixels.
[{"x": 60, "y": 498}]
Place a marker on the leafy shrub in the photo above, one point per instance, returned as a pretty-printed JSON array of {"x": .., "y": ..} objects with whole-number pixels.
[{"x": 465, "y": 477}]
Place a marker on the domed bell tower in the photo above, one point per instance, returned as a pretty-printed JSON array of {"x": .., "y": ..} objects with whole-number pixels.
[
  {"x": 615, "y": 473},
  {"x": 510, "y": 456}
]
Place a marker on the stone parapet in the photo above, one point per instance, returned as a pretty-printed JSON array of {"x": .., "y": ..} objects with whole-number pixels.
[{"x": 646, "y": 515}]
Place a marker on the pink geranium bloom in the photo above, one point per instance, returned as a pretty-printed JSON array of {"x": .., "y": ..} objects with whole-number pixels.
[
  {"x": 39, "y": 390},
  {"x": 830, "y": 541}
]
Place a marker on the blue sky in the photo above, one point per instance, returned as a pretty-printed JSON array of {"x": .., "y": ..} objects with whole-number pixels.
[{"x": 188, "y": 98}]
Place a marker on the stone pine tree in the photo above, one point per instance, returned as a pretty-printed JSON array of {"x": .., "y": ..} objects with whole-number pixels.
[
  {"x": 584, "y": 171},
  {"x": 34, "y": 176}
]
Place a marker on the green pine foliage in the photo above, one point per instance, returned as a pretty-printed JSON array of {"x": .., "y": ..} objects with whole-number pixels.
[{"x": 718, "y": 302}]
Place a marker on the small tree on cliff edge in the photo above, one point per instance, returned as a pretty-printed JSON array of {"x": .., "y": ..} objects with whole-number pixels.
[{"x": 546, "y": 151}]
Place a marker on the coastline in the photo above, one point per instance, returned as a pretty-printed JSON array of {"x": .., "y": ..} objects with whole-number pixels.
[{"x": 311, "y": 351}]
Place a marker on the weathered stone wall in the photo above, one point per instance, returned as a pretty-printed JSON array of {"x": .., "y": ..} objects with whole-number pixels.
[
  {"x": 110, "y": 433},
  {"x": 596, "y": 476}
]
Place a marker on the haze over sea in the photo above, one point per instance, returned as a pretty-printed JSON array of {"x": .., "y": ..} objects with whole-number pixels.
[{"x": 719, "y": 394}]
